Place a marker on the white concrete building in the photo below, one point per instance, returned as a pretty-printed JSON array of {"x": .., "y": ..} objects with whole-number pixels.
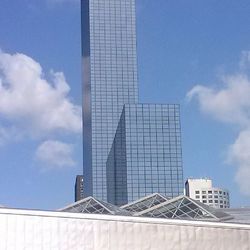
[{"x": 203, "y": 191}]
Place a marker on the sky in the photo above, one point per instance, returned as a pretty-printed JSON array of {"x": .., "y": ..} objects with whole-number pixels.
[{"x": 196, "y": 53}]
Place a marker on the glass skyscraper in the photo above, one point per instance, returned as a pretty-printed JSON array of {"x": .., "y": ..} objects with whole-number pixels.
[
  {"x": 109, "y": 81},
  {"x": 112, "y": 114},
  {"x": 146, "y": 153}
]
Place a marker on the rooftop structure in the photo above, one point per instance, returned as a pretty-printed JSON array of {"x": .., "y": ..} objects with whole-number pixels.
[
  {"x": 145, "y": 203},
  {"x": 153, "y": 206},
  {"x": 93, "y": 206},
  {"x": 183, "y": 207}
]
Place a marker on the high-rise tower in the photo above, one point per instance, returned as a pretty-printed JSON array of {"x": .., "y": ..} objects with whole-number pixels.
[
  {"x": 109, "y": 81},
  {"x": 129, "y": 149}
]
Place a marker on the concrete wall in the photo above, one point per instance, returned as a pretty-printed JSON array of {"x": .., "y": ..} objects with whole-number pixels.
[{"x": 33, "y": 230}]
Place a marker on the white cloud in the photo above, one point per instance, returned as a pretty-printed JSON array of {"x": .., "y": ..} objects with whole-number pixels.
[
  {"x": 239, "y": 154},
  {"x": 230, "y": 103},
  {"x": 34, "y": 104},
  {"x": 55, "y": 155}
]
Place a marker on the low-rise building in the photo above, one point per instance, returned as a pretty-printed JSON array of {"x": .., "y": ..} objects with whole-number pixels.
[{"x": 203, "y": 191}]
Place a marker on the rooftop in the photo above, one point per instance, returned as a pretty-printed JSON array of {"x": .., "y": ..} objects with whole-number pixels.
[
  {"x": 94, "y": 206},
  {"x": 158, "y": 206},
  {"x": 145, "y": 203}
]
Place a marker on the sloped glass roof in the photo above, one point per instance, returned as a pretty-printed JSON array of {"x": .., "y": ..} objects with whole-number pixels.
[
  {"x": 93, "y": 206},
  {"x": 183, "y": 207},
  {"x": 145, "y": 203},
  {"x": 154, "y": 206}
]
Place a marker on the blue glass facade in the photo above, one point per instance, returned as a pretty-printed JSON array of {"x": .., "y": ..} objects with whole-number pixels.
[
  {"x": 146, "y": 153},
  {"x": 130, "y": 150},
  {"x": 109, "y": 81}
]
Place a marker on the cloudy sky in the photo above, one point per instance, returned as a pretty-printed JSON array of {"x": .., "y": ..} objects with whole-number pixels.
[{"x": 196, "y": 53}]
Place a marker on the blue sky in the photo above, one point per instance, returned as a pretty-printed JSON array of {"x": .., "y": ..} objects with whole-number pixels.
[{"x": 195, "y": 53}]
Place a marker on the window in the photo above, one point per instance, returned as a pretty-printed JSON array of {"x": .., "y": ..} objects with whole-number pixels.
[
  {"x": 210, "y": 191},
  {"x": 204, "y": 196},
  {"x": 203, "y": 192},
  {"x": 197, "y": 192},
  {"x": 210, "y": 201},
  {"x": 204, "y": 201},
  {"x": 197, "y": 197}
]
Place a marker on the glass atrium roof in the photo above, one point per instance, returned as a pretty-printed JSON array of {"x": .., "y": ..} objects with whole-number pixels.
[
  {"x": 93, "y": 206},
  {"x": 154, "y": 206},
  {"x": 183, "y": 207},
  {"x": 145, "y": 203}
]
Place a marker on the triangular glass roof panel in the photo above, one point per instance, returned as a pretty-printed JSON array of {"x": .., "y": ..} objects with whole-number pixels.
[
  {"x": 183, "y": 207},
  {"x": 145, "y": 203},
  {"x": 93, "y": 206}
]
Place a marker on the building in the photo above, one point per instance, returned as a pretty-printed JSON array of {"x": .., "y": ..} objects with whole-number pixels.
[
  {"x": 110, "y": 102},
  {"x": 109, "y": 81},
  {"x": 203, "y": 191},
  {"x": 79, "y": 188},
  {"x": 94, "y": 225},
  {"x": 146, "y": 154}
]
